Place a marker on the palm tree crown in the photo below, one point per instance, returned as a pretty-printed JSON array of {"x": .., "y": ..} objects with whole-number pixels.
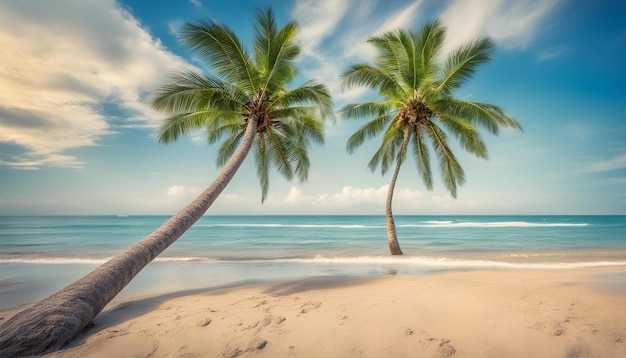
[
  {"x": 246, "y": 87},
  {"x": 418, "y": 110},
  {"x": 417, "y": 102}
]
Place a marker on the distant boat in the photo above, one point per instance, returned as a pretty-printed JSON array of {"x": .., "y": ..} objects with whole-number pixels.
[{"x": 122, "y": 216}]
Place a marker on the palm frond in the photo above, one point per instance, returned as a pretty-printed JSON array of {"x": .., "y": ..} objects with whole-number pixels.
[
  {"x": 226, "y": 126},
  {"x": 486, "y": 115},
  {"x": 228, "y": 148},
  {"x": 386, "y": 156},
  {"x": 469, "y": 138},
  {"x": 368, "y": 130},
  {"x": 374, "y": 78},
  {"x": 190, "y": 91},
  {"x": 295, "y": 144},
  {"x": 181, "y": 124},
  {"x": 429, "y": 41},
  {"x": 451, "y": 172},
  {"x": 278, "y": 153},
  {"x": 422, "y": 157},
  {"x": 367, "y": 109},
  {"x": 391, "y": 55},
  {"x": 275, "y": 51},
  {"x": 303, "y": 124},
  {"x": 310, "y": 92},
  {"x": 411, "y": 74},
  {"x": 223, "y": 51},
  {"x": 462, "y": 62}
]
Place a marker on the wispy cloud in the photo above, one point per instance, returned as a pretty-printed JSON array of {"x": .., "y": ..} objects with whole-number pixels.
[
  {"x": 174, "y": 26},
  {"x": 615, "y": 163},
  {"x": 196, "y": 3},
  {"x": 401, "y": 18},
  {"x": 318, "y": 20},
  {"x": 511, "y": 23},
  {"x": 58, "y": 73},
  {"x": 550, "y": 54}
]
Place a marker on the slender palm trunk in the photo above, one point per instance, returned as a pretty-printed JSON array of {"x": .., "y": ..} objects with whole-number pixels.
[
  {"x": 392, "y": 235},
  {"x": 56, "y": 320}
]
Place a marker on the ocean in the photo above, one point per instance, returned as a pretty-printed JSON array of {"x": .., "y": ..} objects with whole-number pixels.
[{"x": 41, "y": 254}]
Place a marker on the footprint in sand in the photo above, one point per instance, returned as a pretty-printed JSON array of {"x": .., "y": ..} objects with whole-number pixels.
[
  {"x": 446, "y": 349},
  {"x": 309, "y": 306},
  {"x": 577, "y": 350},
  {"x": 205, "y": 322}
]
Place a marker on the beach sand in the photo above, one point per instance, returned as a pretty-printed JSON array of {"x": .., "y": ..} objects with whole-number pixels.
[{"x": 532, "y": 313}]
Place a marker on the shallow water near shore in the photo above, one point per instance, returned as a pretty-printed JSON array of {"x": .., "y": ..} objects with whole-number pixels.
[{"x": 40, "y": 255}]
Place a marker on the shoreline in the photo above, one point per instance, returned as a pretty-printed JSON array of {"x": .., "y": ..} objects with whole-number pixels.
[{"x": 512, "y": 313}]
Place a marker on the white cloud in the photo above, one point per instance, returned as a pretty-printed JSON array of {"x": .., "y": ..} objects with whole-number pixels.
[
  {"x": 350, "y": 197},
  {"x": 63, "y": 61},
  {"x": 174, "y": 26},
  {"x": 615, "y": 163},
  {"x": 400, "y": 19},
  {"x": 196, "y": 3},
  {"x": 552, "y": 53},
  {"x": 176, "y": 190},
  {"x": 353, "y": 200},
  {"x": 317, "y": 19},
  {"x": 511, "y": 23}
]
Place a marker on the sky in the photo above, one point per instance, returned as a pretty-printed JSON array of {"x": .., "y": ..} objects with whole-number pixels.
[{"x": 77, "y": 136}]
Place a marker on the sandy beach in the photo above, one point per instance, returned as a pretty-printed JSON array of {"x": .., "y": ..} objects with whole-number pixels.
[{"x": 529, "y": 313}]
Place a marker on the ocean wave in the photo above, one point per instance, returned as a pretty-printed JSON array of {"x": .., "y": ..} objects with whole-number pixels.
[
  {"x": 492, "y": 224},
  {"x": 185, "y": 259},
  {"x": 421, "y": 224},
  {"x": 54, "y": 260},
  {"x": 407, "y": 261},
  {"x": 299, "y": 226},
  {"x": 443, "y": 262},
  {"x": 93, "y": 261}
]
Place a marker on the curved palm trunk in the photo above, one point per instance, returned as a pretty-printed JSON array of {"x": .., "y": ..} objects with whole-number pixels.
[
  {"x": 56, "y": 320},
  {"x": 392, "y": 236}
]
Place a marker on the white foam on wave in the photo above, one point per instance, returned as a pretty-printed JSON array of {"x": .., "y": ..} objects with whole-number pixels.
[
  {"x": 496, "y": 224},
  {"x": 421, "y": 224},
  {"x": 92, "y": 261},
  {"x": 300, "y": 226},
  {"x": 54, "y": 260},
  {"x": 411, "y": 261},
  {"x": 185, "y": 259},
  {"x": 443, "y": 262}
]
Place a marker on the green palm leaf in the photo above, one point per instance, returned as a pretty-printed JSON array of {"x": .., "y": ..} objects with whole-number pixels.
[
  {"x": 223, "y": 51},
  {"x": 451, "y": 171},
  {"x": 247, "y": 86},
  {"x": 422, "y": 158},
  {"x": 462, "y": 62}
]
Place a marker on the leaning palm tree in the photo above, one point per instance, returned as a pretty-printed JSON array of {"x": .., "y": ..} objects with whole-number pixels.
[
  {"x": 418, "y": 107},
  {"x": 247, "y": 102}
]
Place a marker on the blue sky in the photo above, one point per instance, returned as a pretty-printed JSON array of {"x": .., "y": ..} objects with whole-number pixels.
[{"x": 77, "y": 135}]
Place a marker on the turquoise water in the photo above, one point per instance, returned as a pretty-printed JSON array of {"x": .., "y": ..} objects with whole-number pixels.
[{"x": 40, "y": 255}]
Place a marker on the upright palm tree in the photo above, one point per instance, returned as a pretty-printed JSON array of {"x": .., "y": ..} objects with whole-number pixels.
[
  {"x": 246, "y": 99},
  {"x": 418, "y": 107}
]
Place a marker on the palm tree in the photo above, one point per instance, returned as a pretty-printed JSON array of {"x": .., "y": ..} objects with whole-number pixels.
[
  {"x": 247, "y": 100},
  {"x": 418, "y": 107}
]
